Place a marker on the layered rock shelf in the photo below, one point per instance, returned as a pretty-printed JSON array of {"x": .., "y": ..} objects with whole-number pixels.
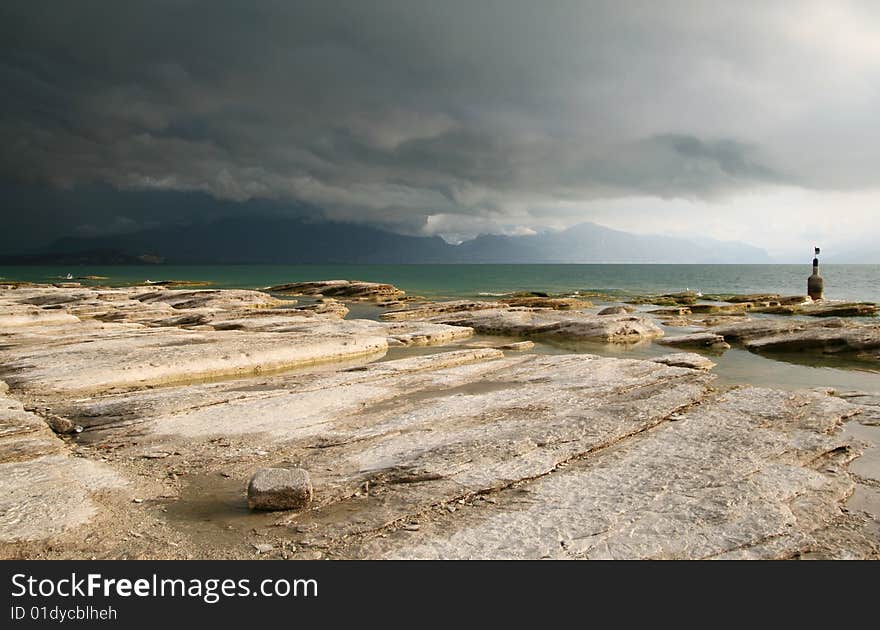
[
  {"x": 45, "y": 490},
  {"x": 550, "y": 323},
  {"x": 685, "y": 304},
  {"x": 348, "y": 289},
  {"x": 834, "y": 336},
  {"x": 698, "y": 340},
  {"x": 167, "y": 403}
]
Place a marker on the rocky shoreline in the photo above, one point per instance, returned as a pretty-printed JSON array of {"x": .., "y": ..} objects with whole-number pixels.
[{"x": 132, "y": 419}]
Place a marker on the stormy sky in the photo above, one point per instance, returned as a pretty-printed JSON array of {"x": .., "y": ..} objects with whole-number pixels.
[{"x": 750, "y": 121}]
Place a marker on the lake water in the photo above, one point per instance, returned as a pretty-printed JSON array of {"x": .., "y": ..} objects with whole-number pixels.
[{"x": 843, "y": 282}]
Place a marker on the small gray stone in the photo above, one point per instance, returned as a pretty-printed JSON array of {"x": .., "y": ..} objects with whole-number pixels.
[
  {"x": 280, "y": 489},
  {"x": 156, "y": 455}
]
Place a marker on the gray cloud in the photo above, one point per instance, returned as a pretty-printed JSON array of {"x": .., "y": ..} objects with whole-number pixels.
[{"x": 409, "y": 114}]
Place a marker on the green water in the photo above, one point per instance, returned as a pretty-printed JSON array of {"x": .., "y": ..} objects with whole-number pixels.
[{"x": 843, "y": 282}]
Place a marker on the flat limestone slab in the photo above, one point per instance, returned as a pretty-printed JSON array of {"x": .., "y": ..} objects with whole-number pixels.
[
  {"x": 43, "y": 490},
  {"x": 397, "y": 333},
  {"x": 753, "y": 473},
  {"x": 524, "y": 322},
  {"x": 823, "y": 309},
  {"x": 48, "y": 495},
  {"x": 210, "y": 298},
  {"x": 685, "y": 359},
  {"x": 753, "y": 328},
  {"x": 24, "y": 435},
  {"x": 346, "y": 289},
  {"x": 155, "y": 336},
  {"x": 822, "y": 339},
  {"x": 697, "y": 340},
  {"x": 869, "y": 403},
  {"x": 832, "y": 336},
  {"x": 157, "y": 356},
  {"x": 434, "y": 309},
  {"x": 474, "y": 454},
  {"x": 469, "y": 453},
  {"x": 417, "y": 431},
  {"x": 294, "y": 400},
  {"x": 129, "y": 304},
  {"x": 27, "y": 316},
  {"x": 556, "y": 303}
]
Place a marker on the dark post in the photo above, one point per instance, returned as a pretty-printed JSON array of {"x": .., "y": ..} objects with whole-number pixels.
[{"x": 815, "y": 283}]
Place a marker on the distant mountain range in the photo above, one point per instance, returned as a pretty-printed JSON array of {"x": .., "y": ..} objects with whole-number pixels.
[
  {"x": 295, "y": 241},
  {"x": 592, "y": 243},
  {"x": 866, "y": 256}
]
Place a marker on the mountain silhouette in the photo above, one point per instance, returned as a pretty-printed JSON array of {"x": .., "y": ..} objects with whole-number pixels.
[{"x": 277, "y": 240}]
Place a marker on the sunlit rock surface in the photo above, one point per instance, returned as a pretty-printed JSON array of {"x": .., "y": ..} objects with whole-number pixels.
[
  {"x": 43, "y": 490},
  {"x": 832, "y": 336},
  {"x": 823, "y": 309},
  {"x": 685, "y": 359},
  {"x": 347, "y": 289},
  {"x": 131, "y": 338},
  {"x": 697, "y": 340},
  {"x": 750, "y": 474},
  {"x": 119, "y": 356},
  {"x": 434, "y": 309},
  {"x": 475, "y": 452},
  {"x": 525, "y": 322}
]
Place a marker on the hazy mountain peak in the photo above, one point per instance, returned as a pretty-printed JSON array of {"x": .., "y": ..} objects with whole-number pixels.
[{"x": 277, "y": 240}]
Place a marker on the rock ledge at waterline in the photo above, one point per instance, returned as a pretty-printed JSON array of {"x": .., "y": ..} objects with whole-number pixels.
[{"x": 454, "y": 452}]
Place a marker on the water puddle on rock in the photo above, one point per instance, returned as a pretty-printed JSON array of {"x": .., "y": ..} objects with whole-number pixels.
[
  {"x": 868, "y": 465},
  {"x": 212, "y": 510},
  {"x": 866, "y": 468}
]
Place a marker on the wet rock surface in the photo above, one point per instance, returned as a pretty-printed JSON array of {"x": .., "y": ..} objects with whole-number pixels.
[
  {"x": 835, "y": 336},
  {"x": 45, "y": 491},
  {"x": 692, "y": 303},
  {"x": 699, "y": 340},
  {"x": 823, "y": 309},
  {"x": 685, "y": 359}
]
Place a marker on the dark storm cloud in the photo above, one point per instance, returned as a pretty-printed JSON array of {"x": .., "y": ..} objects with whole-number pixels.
[{"x": 393, "y": 112}]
